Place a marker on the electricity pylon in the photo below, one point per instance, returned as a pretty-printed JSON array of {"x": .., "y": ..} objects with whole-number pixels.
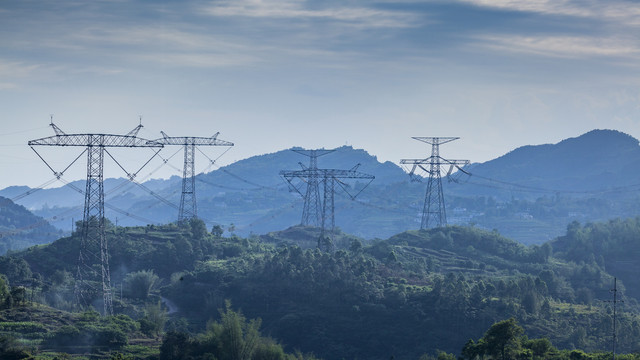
[
  {"x": 433, "y": 210},
  {"x": 93, "y": 243},
  {"x": 188, "y": 207},
  {"x": 329, "y": 178},
  {"x": 615, "y": 302},
  {"x": 311, "y": 210}
]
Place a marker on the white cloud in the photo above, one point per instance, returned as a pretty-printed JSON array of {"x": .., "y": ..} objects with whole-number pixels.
[
  {"x": 15, "y": 69},
  {"x": 12, "y": 72},
  {"x": 295, "y": 9},
  {"x": 559, "y": 7},
  {"x": 621, "y": 12},
  {"x": 565, "y": 46}
]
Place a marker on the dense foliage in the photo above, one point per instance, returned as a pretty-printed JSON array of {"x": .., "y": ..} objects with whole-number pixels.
[
  {"x": 412, "y": 295},
  {"x": 611, "y": 245},
  {"x": 230, "y": 338}
]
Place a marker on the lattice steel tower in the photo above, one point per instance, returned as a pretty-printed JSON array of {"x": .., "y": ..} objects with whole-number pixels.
[
  {"x": 188, "y": 207},
  {"x": 433, "y": 211},
  {"x": 329, "y": 178},
  {"x": 93, "y": 244},
  {"x": 311, "y": 210}
]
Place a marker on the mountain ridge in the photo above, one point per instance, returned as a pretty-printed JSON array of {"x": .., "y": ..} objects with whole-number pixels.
[{"x": 251, "y": 196}]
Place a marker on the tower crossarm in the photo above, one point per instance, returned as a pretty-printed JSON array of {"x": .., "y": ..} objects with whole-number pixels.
[
  {"x": 193, "y": 140},
  {"x": 104, "y": 140},
  {"x": 435, "y": 160},
  {"x": 345, "y": 174},
  {"x": 334, "y": 173},
  {"x": 435, "y": 140},
  {"x": 304, "y": 175},
  {"x": 458, "y": 164}
]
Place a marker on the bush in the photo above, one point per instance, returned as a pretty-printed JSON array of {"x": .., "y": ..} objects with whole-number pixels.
[
  {"x": 62, "y": 338},
  {"x": 140, "y": 283},
  {"x": 110, "y": 337}
]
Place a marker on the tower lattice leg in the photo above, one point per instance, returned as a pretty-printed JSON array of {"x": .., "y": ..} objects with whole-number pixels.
[
  {"x": 188, "y": 209},
  {"x": 93, "y": 244}
]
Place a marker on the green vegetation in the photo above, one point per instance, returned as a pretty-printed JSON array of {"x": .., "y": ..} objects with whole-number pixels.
[
  {"x": 231, "y": 338},
  {"x": 416, "y": 295}
]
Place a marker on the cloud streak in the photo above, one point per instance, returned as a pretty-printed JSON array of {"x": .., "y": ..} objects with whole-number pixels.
[
  {"x": 575, "y": 47},
  {"x": 621, "y": 12},
  {"x": 295, "y": 10}
]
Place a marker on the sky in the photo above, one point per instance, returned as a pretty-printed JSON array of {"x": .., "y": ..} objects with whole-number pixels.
[{"x": 273, "y": 74}]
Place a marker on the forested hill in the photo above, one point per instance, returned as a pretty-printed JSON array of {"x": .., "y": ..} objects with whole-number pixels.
[
  {"x": 409, "y": 295},
  {"x": 614, "y": 246},
  {"x": 19, "y": 228}
]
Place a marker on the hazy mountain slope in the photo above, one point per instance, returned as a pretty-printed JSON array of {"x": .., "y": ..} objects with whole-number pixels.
[
  {"x": 248, "y": 193},
  {"x": 597, "y": 160},
  {"x": 19, "y": 228},
  {"x": 572, "y": 176},
  {"x": 264, "y": 169}
]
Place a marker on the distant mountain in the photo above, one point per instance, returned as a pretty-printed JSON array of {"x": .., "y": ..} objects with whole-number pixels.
[
  {"x": 265, "y": 169},
  {"x": 529, "y": 194},
  {"x": 250, "y": 194},
  {"x": 19, "y": 228},
  {"x": 600, "y": 161}
]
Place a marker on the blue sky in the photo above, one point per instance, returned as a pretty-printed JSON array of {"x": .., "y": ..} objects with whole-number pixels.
[{"x": 270, "y": 75}]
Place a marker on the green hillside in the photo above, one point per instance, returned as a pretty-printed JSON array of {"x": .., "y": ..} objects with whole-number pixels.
[{"x": 412, "y": 294}]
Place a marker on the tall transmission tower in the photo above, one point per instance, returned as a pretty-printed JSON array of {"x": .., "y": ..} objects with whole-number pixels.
[
  {"x": 615, "y": 302},
  {"x": 312, "y": 209},
  {"x": 433, "y": 211},
  {"x": 93, "y": 244},
  {"x": 329, "y": 179},
  {"x": 188, "y": 207}
]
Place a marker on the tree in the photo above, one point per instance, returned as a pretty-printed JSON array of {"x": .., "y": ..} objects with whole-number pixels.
[
  {"x": 155, "y": 317},
  {"x": 140, "y": 283},
  {"x": 540, "y": 347},
  {"x": 10, "y": 350},
  {"x": 176, "y": 346},
  {"x": 232, "y": 338},
  {"x": 217, "y": 231},
  {"x": 198, "y": 228},
  {"x": 237, "y": 338},
  {"x": 502, "y": 338},
  {"x": 5, "y": 292}
]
